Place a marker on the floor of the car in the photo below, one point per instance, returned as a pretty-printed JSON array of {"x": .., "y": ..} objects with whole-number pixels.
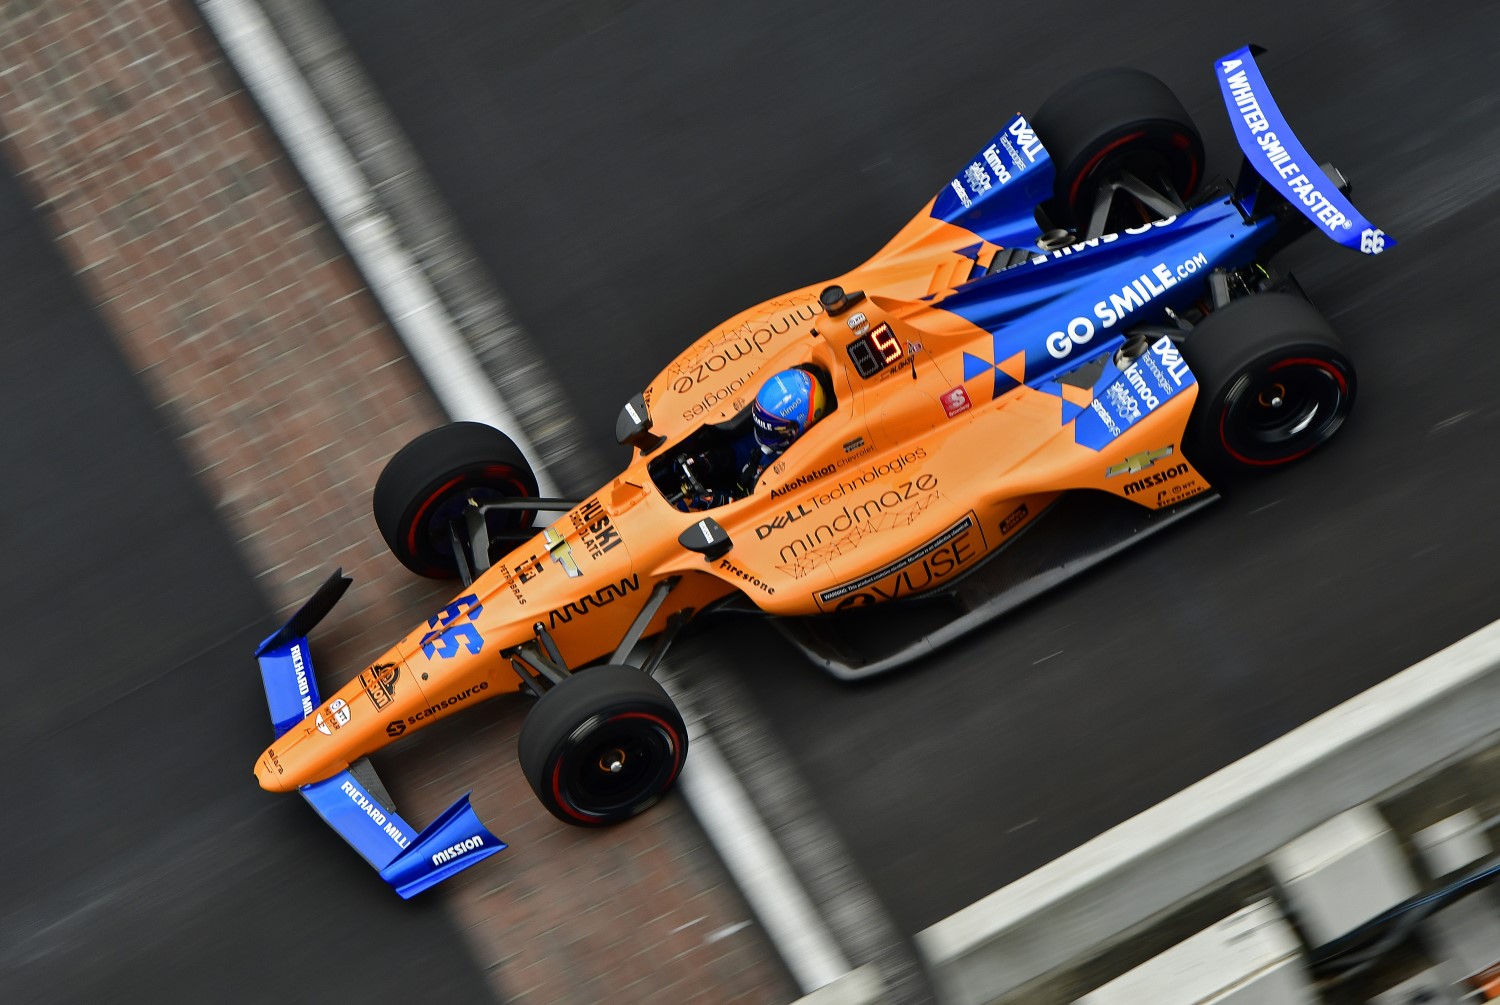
[{"x": 1077, "y": 532}]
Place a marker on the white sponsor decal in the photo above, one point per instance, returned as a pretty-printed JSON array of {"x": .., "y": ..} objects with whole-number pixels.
[
  {"x": 1133, "y": 374},
  {"x": 302, "y": 686},
  {"x": 462, "y": 848},
  {"x": 374, "y": 812},
  {"x": 978, "y": 178},
  {"x": 1105, "y": 417},
  {"x": 992, "y": 158},
  {"x": 1026, "y": 138},
  {"x": 1117, "y": 306},
  {"x": 338, "y": 715},
  {"x": 1124, "y": 402},
  {"x": 963, "y": 196},
  {"x": 1280, "y": 159},
  {"x": 1171, "y": 358}
]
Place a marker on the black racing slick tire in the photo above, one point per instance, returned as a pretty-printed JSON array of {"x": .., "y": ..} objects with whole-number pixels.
[
  {"x": 1274, "y": 384},
  {"x": 1110, "y": 121},
  {"x": 602, "y": 745},
  {"x": 427, "y": 484}
]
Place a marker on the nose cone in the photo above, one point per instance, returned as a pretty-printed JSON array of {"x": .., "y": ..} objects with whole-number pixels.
[{"x": 270, "y": 774}]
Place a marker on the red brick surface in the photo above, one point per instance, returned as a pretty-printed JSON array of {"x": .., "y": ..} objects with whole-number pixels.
[{"x": 234, "y": 302}]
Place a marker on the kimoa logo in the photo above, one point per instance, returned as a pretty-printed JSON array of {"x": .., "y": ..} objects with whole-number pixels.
[{"x": 602, "y": 597}]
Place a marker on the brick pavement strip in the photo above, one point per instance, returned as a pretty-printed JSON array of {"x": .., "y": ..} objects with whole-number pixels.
[{"x": 253, "y": 333}]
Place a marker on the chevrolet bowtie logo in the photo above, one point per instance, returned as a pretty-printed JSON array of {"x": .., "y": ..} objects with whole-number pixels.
[
  {"x": 561, "y": 552},
  {"x": 1139, "y": 462}
]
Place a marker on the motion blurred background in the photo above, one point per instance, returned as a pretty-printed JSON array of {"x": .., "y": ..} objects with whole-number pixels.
[{"x": 201, "y": 391}]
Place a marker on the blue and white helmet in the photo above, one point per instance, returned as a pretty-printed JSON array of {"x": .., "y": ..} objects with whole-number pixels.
[{"x": 788, "y": 403}]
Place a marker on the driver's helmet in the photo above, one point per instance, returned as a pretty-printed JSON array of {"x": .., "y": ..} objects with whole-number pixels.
[{"x": 787, "y": 405}]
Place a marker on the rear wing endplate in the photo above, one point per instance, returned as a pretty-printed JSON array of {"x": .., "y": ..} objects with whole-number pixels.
[
  {"x": 1277, "y": 156},
  {"x": 354, "y": 802}
]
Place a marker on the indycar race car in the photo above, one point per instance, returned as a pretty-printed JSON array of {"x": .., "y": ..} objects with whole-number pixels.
[{"x": 1071, "y": 346}]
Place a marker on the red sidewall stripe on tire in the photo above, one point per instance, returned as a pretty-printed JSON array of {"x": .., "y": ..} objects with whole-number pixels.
[
  {"x": 666, "y": 727},
  {"x": 1320, "y": 364},
  {"x": 1179, "y": 140},
  {"x": 1323, "y": 365},
  {"x": 416, "y": 523},
  {"x": 431, "y": 500}
]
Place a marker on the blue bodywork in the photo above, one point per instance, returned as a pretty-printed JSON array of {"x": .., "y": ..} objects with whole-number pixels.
[
  {"x": 1277, "y": 156},
  {"x": 1060, "y": 309}
]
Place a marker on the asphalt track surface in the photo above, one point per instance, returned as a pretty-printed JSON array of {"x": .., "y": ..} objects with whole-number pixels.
[
  {"x": 142, "y": 863},
  {"x": 634, "y": 172}
]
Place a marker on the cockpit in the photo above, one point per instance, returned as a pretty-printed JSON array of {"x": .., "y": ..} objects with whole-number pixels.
[{"x": 720, "y": 463}]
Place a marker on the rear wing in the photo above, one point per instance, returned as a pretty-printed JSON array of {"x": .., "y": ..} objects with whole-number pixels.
[
  {"x": 1275, "y": 154},
  {"x": 354, "y": 802}
]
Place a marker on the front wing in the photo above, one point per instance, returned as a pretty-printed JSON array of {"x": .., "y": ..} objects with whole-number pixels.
[{"x": 354, "y": 802}]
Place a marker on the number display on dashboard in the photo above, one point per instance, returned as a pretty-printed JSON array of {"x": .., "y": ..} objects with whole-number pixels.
[{"x": 875, "y": 350}]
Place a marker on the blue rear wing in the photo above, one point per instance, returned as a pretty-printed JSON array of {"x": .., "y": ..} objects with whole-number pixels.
[
  {"x": 354, "y": 802},
  {"x": 1277, "y": 156}
]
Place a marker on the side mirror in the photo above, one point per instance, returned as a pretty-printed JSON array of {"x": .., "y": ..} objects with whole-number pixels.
[{"x": 633, "y": 427}]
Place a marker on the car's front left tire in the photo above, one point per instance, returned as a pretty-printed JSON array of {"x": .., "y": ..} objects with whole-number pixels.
[
  {"x": 429, "y": 482},
  {"x": 602, "y": 745}
]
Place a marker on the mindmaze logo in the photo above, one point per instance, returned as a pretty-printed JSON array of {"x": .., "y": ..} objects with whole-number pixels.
[
  {"x": 866, "y": 477},
  {"x": 865, "y": 513},
  {"x": 734, "y": 345}
]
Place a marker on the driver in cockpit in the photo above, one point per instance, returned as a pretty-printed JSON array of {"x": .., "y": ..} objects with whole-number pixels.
[{"x": 786, "y": 407}]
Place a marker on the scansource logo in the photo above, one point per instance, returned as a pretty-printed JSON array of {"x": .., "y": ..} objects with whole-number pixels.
[{"x": 1140, "y": 484}]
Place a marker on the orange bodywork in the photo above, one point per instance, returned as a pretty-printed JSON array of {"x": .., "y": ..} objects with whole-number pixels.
[{"x": 916, "y": 459}]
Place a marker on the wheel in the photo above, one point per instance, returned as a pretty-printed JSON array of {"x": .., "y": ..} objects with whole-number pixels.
[
  {"x": 431, "y": 479},
  {"x": 1274, "y": 383},
  {"x": 603, "y": 745},
  {"x": 1111, "y": 121}
]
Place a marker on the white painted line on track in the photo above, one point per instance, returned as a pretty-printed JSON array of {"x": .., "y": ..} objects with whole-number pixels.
[
  {"x": 335, "y": 181},
  {"x": 716, "y": 796},
  {"x": 762, "y": 872}
]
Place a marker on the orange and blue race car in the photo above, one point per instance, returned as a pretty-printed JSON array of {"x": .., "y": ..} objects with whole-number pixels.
[{"x": 1077, "y": 342}]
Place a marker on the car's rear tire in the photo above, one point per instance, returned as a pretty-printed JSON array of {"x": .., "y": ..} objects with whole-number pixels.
[
  {"x": 430, "y": 480},
  {"x": 1274, "y": 384},
  {"x": 603, "y": 745},
  {"x": 1110, "y": 121}
]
